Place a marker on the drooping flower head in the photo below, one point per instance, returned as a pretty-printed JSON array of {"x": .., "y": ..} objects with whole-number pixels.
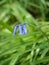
[
  {"x": 22, "y": 29},
  {"x": 15, "y": 29}
]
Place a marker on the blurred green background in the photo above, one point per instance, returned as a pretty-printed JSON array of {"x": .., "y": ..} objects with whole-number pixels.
[{"x": 31, "y": 48}]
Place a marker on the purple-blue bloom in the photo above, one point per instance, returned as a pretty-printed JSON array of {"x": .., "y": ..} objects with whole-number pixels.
[
  {"x": 23, "y": 29},
  {"x": 15, "y": 30}
]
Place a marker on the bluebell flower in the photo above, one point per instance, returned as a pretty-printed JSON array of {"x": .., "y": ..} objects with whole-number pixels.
[
  {"x": 23, "y": 29},
  {"x": 15, "y": 29}
]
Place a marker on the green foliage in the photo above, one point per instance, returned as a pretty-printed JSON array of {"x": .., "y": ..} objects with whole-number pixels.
[{"x": 31, "y": 48}]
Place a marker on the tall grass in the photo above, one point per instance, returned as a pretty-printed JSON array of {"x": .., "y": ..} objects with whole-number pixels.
[{"x": 31, "y": 48}]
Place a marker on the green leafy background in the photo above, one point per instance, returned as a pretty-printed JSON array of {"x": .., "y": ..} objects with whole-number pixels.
[{"x": 31, "y": 48}]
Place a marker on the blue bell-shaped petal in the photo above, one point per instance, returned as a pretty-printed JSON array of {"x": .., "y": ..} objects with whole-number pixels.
[
  {"x": 15, "y": 30},
  {"x": 23, "y": 29}
]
